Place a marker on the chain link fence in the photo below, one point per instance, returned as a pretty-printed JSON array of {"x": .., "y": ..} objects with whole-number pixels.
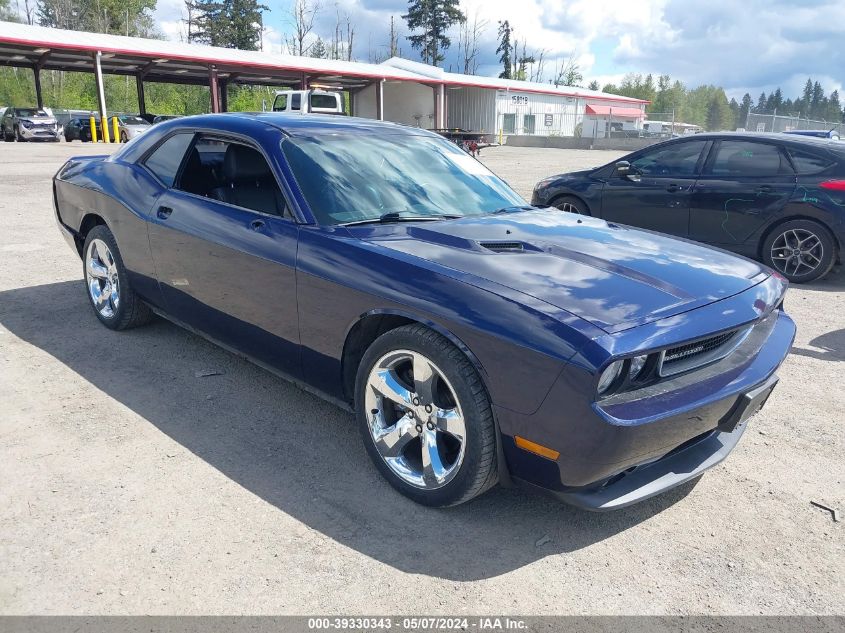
[{"x": 780, "y": 123}]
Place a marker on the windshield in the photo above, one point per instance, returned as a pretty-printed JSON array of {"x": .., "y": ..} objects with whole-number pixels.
[
  {"x": 132, "y": 120},
  {"x": 352, "y": 178},
  {"x": 30, "y": 113}
]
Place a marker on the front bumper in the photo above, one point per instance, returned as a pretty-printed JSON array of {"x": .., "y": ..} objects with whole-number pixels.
[
  {"x": 679, "y": 466},
  {"x": 38, "y": 133},
  {"x": 646, "y": 441}
]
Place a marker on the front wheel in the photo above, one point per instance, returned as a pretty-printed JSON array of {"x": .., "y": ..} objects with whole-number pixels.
[
  {"x": 571, "y": 204},
  {"x": 425, "y": 417},
  {"x": 801, "y": 250},
  {"x": 115, "y": 303}
]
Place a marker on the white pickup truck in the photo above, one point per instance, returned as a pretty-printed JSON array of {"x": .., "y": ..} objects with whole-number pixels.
[{"x": 308, "y": 101}]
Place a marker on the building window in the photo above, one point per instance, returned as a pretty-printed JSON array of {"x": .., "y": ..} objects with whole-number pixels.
[
  {"x": 528, "y": 124},
  {"x": 508, "y": 123}
]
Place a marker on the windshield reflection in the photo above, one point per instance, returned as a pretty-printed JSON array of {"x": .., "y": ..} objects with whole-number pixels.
[{"x": 353, "y": 178}]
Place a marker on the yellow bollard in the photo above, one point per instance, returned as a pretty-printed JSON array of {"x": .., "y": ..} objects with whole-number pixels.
[
  {"x": 104, "y": 122},
  {"x": 115, "y": 129},
  {"x": 93, "y": 123}
]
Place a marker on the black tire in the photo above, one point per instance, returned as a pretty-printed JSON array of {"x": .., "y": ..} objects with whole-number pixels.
[
  {"x": 782, "y": 238},
  {"x": 123, "y": 137},
  {"x": 131, "y": 311},
  {"x": 571, "y": 204},
  {"x": 477, "y": 472}
]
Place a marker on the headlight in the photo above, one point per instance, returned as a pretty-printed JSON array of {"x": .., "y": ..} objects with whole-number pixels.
[
  {"x": 609, "y": 375},
  {"x": 637, "y": 364},
  {"x": 26, "y": 124}
]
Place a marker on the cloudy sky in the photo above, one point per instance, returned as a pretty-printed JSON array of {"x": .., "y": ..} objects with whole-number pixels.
[{"x": 749, "y": 46}]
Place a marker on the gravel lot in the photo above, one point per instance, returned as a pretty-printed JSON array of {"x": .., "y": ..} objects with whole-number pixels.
[{"x": 129, "y": 485}]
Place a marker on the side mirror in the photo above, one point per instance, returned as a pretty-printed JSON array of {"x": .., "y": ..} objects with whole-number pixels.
[{"x": 624, "y": 170}]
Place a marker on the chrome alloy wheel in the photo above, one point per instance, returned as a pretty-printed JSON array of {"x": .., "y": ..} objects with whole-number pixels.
[
  {"x": 569, "y": 208},
  {"x": 797, "y": 252},
  {"x": 102, "y": 278},
  {"x": 414, "y": 419}
]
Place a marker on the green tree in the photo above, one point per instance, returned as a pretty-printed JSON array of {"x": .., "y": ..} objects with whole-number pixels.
[
  {"x": 719, "y": 116},
  {"x": 761, "y": 104},
  {"x": 433, "y": 18},
  {"x": 6, "y": 12},
  {"x": 834, "y": 107},
  {"x": 505, "y": 49},
  {"x": 807, "y": 98},
  {"x": 594, "y": 85},
  {"x": 744, "y": 108},
  {"x": 120, "y": 17},
  {"x": 319, "y": 49}
]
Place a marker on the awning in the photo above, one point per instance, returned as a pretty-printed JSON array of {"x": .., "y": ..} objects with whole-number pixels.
[{"x": 622, "y": 113}]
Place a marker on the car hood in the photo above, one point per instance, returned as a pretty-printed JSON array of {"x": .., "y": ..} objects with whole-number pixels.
[{"x": 616, "y": 277}]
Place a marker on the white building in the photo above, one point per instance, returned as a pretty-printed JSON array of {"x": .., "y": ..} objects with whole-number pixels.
[{"x": 499, "y": 106}]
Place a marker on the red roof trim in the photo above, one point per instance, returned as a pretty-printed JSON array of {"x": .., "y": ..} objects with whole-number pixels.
[
  {"x": 269, "y": 66},
  {"x": 201, "y": 60}
]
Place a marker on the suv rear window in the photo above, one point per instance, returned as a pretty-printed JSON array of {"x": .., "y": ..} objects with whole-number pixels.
[{"x": 323, "y": 101}]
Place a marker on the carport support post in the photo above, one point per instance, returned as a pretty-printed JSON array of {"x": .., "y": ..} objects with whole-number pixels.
[
  {"x": 39, "y": 99},
  {"x": 142, "y": 102},
  {"x": 214, "y": 89},
  {"x": 36, "y": 71},
  {"x": 224, "y": 95},
  {"x": 101, "y": 96},
  {"x": 380, "y": 100}
]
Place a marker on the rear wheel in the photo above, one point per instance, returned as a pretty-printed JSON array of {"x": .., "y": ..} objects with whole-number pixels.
[
  {"x": 115, "y": 303},
  {"x": 571, "y": 204},
  {"x": 425, "y": 417},
  {"x": 801, "y": 250}
]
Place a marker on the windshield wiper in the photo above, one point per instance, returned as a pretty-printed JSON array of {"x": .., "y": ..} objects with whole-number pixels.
[{"x": 393, "y": 216}]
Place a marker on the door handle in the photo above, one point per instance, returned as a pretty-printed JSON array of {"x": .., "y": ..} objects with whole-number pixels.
[
  {"x": 256, "y": 225},
  {"x": 673, "y": 188},
  {"x": 164, "y": 212}
]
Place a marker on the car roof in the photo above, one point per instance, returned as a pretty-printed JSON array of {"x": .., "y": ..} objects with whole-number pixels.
[{"x": 297, "y": 125}]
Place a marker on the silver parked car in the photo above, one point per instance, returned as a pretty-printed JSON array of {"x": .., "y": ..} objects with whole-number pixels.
[
  {"x": 29, "y": 124},
  {"x": 130, "y": 126}
]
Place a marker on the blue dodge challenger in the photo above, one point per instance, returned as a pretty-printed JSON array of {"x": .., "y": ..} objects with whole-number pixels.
[{"x": 479, "y": 340}]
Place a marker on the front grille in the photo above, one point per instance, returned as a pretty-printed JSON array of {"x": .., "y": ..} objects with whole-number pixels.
[{"x": 691, "y": 355}]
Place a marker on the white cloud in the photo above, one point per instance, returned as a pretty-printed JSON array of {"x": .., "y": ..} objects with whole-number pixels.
[{"x": 750, "y": 46}]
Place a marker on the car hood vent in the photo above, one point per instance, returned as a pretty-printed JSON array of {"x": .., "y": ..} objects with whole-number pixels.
[{"x": 503, "y": 246}]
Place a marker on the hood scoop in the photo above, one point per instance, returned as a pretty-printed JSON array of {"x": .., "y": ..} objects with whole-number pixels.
[{"x": 500, "y": 247}]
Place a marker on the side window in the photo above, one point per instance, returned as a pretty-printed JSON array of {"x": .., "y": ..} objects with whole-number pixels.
[
  {"x": 809, "y": 162},
  {"x": 673, "y": 160},
  {"x": 281, "y": 103},
  {"x": 737, "y": 159},
  {"x": 233, "y": 173},
  {"x": 295, "y": 101},
  {"x": 165, "y": 160}
]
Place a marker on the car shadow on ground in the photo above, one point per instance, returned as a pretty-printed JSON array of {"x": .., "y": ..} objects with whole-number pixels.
[
  {"x": 300, "y": 454},
  {"x": 830, "y": 346}
]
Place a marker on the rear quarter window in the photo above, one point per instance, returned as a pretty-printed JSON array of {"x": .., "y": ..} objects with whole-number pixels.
[
  {"x": 165, "y": 160},
  {"x": 809, "y": 162}
]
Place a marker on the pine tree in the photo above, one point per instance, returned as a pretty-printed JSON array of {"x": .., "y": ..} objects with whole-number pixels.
[
  {"x": 744, "y": 108},
  {"x": 226, "y": 23},
  {"x": 505, "y": 49},
  {"x": 319, "y": 49},
  {"x": 807, "y": 98},
  {"x": 761, "y": 104},
  {"x": 433, "y": 18}
]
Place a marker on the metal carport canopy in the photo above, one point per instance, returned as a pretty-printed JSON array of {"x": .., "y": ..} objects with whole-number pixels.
[{"x": 45, "y": 48}]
